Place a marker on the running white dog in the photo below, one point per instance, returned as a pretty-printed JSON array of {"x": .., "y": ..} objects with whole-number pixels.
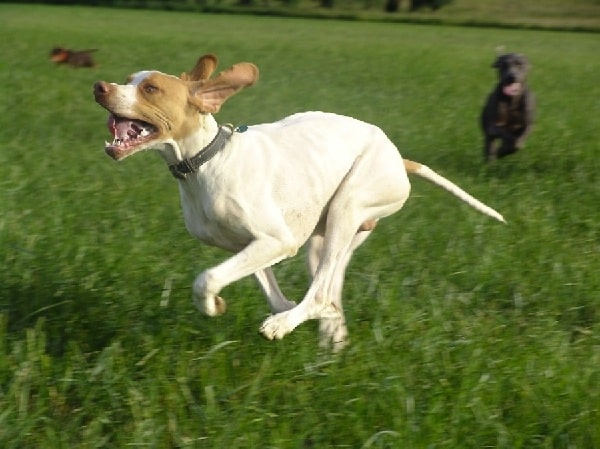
[{"x": 263, "y": 191}]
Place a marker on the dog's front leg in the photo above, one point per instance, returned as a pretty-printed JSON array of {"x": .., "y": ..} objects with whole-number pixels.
[
  {"x": 519, "y": 139},
  {"x": 529, "y": 119},
  {"x": 493, "y": 149},
  {"x": 490, "y": 147},
  {"x": 268, "y": 284},
  {"x": 508, "y": 145},
  {"x": 259, "y": 254}
]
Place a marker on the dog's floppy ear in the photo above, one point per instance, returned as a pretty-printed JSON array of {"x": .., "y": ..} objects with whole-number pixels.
[
  {"x": 203, "y": 69},
  {"x": 499, "y": 61},
  {"x": 524, "y": 61},
  {"x": 209, "y": 95},
  {"x": 500, "y": 51}
]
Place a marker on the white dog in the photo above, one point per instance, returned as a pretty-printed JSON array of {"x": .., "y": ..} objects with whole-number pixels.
[{"x": 264, "y": 191}]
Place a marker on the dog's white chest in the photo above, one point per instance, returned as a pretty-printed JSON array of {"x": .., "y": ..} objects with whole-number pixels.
[{"x": 216, "y": 220}]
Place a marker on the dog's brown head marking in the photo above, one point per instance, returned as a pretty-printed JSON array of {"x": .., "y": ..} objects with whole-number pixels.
[
  {"x": 154, "y": 110},
  {"x": 58, "y": 55}
]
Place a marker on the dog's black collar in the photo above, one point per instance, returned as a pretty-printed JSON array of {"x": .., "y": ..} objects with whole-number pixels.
[{"x": 191, "y": 165}]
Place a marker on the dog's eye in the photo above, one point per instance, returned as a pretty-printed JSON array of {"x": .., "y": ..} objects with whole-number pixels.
[{"x": 150, "y": 88}]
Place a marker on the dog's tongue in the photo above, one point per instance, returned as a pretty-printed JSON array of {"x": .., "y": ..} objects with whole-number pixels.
[
  {"x": 124, "y": 129},
  {"x": 512, "y": 89}
]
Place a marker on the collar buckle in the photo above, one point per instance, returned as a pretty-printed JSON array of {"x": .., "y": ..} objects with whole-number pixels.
[{"x": 178, "y": 173}]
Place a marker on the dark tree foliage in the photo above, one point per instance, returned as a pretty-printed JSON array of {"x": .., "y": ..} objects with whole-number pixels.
[
  {"x": 392, "y": 5},
  {"x": 433, "y": 4},
  {"x": 414, "y": 5},
  {"x": 389, "y": 5}
]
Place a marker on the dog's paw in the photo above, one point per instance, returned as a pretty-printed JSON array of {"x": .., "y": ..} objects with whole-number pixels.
[
  {"x": 276, "y": 327},
  {"x": 211, "y": 306},
  {"x": 220, "y": 306},
  {"x": 333, "y": 334}
]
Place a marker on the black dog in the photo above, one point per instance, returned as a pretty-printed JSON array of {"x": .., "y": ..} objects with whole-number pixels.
[
  {"x": 80, "y": 58},
  {"x": 508, "y": 114}
]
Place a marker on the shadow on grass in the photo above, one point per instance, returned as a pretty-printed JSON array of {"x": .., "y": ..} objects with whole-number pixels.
[
  {"x": 92, "y": 318},
  {"x": 71, "y": 317}
]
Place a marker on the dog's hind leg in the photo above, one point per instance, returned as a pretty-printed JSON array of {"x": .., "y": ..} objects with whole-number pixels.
[
  {"x": 316, "y": 303},
  {"x": 333, "y": 332},
  {"x": 490, "y": 149},
  {"x": 275, "y": 297},
  {"x": 376, "y": 186}
]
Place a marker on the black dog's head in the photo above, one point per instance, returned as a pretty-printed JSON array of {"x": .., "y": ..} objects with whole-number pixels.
[{"x": 512, "y": 72}]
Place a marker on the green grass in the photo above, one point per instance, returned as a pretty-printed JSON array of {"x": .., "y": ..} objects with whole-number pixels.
[{"x": 465, "y": 333}]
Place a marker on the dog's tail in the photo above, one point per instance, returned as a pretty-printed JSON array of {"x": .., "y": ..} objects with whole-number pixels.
[{"x": 427, "y": 173}]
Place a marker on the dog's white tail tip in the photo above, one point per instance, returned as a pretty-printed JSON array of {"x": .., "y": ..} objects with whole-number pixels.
[
  {"x": 430, "y": 175},
  {"x": 498, "y": 217}
]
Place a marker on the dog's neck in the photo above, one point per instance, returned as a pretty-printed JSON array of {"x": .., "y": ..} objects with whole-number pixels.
[
  {"x": 174, "y": 151},
  {"x": 192, "y": 164}
]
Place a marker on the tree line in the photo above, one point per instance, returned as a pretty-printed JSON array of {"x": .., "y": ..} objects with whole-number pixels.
[{"x": 390, "y": 6}]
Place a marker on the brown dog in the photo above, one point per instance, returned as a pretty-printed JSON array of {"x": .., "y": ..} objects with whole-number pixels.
[
  {"x": 80, "y": 58},
  {"x": 508, "y": 114}
]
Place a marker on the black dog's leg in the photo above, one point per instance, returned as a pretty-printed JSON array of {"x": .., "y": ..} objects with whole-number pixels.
[
  {"x": 508, "y": 147},
  {"x": 490, "y": 148}
]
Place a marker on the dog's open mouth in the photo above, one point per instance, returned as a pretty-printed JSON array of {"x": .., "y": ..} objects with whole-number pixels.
[
  {"x": 128, "y": 135},
  {"x": 512, "y": 89}
]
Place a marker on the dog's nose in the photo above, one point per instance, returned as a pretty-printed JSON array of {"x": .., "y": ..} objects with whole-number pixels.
[
  {"x": 510, "y": 78},
  {"x": 101, "y": 88}
]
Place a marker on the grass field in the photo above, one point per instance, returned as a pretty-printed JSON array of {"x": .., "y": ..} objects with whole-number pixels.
[{"x": 465, "y": 333}]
